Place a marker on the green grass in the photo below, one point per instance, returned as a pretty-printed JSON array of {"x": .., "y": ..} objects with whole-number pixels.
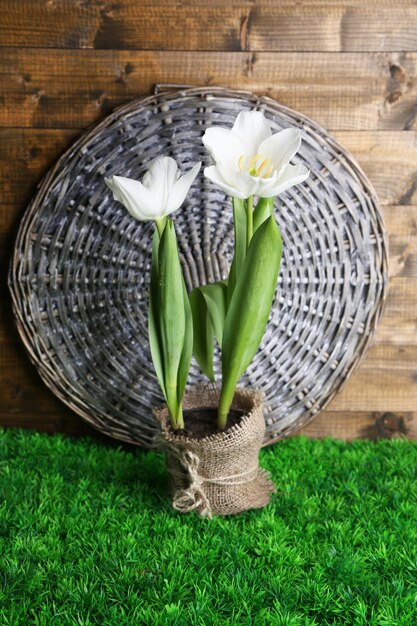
[{"x": 87, "y": 536}]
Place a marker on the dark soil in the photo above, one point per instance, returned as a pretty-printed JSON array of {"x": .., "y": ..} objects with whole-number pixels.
[{"x": 202, "y": 422}]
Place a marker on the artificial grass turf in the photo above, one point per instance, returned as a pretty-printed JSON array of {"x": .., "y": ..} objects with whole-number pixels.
[{"x": 87, "y": 536}]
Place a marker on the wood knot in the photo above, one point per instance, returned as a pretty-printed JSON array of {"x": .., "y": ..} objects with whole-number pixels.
[
  {"x": 101, "y": 100},
  {"x": 125, "y": 72},
  {"x": 393, "y": 97},
  {"x": 39, "y": 96},
  {"x": 109, "y": 10},
  {"x": 24, "y": 79},
  {"x": 32, "y": 154},
  {"x": 389, "y": 425},
  {"x": 250, "y": 62},
  {"x": 397, "y": 73},
  {"x": 396, "y": 85}
]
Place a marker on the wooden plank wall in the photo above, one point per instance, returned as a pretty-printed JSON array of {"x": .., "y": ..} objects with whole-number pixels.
[{"x": 350, "y": 65}]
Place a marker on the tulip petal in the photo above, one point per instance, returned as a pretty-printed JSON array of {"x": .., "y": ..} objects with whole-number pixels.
[
  {"x": 252, "y": 128},
  {"x": 224, "y": 145},
  {"x": 162, "y": 171},
  {"x": 160, "y": 178},
  {"x": 161, "y": 191},
  {"x": 263, "y": 185},
  {"x": 239, "y": 185},
  {"x": 244, "y": 182},
  {"x": 213, "y": 173},
  {"x": 281, "y": 147},
  {"x": 180, "y": 189},
  {"x": 136, "y": 198},
  {"x": 291, "y": 175},
  {"x": 111, "y": 183}
]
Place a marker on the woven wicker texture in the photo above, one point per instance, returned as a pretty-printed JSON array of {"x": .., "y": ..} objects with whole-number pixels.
[{"x": 80, "y": 273}]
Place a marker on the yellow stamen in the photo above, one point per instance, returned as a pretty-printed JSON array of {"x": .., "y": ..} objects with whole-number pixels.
[
  {"x": 253, "y": 161},
  {"x": 262, "y": 165},
  {"x": 252, "y": 166}
]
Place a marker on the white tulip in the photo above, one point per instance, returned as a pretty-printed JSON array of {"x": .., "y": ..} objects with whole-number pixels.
[
  {"x": 250, "y": 160},
  {"x": 161, "y": 192}
]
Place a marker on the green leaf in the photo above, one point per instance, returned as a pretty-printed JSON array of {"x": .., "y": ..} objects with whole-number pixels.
[
  {"x": 249, "y": 309},
  {"x": 263, "y": 210},
  {"x": 203, "y": 342},
  {"x": 153, "y": 319},
  {"x": 215, "y": 296},
  {"x": 208, "y": 305},
  {"x": 184, "y": 365},
  {"x": 239, "y": 217},
  {"x": 171, "y": 313}
]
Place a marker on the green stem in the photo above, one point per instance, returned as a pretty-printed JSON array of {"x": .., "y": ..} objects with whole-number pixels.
[
  {"x": 173, "y": 408},
  {"x": 249, "y": 221},
  {"x": 225, "y": 402},
  {"x": 221, "y": 420},
  {"x": 160, "y": 224},
  {"x": 180, "y": 418}
]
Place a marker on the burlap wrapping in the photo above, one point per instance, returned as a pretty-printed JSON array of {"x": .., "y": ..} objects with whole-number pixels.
[{"x": 219, "y": 474}]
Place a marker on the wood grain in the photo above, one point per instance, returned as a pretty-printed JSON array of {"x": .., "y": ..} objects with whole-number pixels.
[
  {"x": 25, "y": 156},
  {"x": 390, "y": 161},
  {"x": 333, "y": 27},
  {"x": 370, "y": 425},
  {"x": 398, "y": 325},
  {"x": 194, "y": 26},
  {"x": 61, "y": 421},
  {"x": 343, "y": 91},
  {"x": 387, "y": 382}
]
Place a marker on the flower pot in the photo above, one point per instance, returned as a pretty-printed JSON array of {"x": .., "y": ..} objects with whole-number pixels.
[{"x": 217, "y": 474}]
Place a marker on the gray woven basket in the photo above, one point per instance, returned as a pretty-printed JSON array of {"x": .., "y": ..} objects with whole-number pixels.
[{"x": 80, "y": 271}]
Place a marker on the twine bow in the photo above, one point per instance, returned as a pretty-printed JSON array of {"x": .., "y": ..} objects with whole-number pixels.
[{"x": 193, "y": 497}]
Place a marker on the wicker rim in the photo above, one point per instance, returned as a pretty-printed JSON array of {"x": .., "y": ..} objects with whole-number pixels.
[{"x": 19, "y": 283}]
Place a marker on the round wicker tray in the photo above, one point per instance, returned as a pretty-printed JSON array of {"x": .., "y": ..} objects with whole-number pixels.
[{"x": 80, "y": 271}]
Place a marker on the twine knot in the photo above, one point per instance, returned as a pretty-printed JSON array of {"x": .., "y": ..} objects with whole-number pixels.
[{"x": 194, "y": 497}]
